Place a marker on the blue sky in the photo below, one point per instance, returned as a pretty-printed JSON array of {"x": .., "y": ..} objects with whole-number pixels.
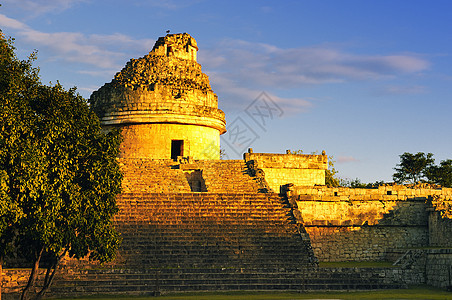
[{"x": 363, "y": 80}]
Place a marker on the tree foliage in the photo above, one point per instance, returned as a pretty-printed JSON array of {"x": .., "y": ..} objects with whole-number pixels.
[
  {"x": 356, "y": 183},
  {"x": 412, "y": 167},
  {"x": 330, "y": 174},
  {"x": 59, "y": 175},
  {"x": 441, "y": 174},
  {"x": 18, "y": 79}
]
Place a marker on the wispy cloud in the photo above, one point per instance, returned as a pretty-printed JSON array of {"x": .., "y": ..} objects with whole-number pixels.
[
  {"x": 37, "y": 8},
  {"x": 12, "y": 23},
  {"x": 265, "y": 64},
  {"x": 346, "y": 159},
  {"x": 241, "y": 68},
  {"x": 100, "y": 51},
  {"x": 401, "y": 90},
  {"x": 238, "y": 96},
  {"x": 169, "y": 4}
]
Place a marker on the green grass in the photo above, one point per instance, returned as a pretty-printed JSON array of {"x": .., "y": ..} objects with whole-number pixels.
[{"x": 419, "y": 292}]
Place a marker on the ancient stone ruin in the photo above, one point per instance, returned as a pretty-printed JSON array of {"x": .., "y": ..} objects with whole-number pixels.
[
  {"x": 193, "y": 222},
  {"x": 164, "y": 104}
]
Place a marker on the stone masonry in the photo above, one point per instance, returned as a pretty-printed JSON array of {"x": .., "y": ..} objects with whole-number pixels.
[
  {"x": 279, "y": 169},
  {"x": 372, "y": 224}
]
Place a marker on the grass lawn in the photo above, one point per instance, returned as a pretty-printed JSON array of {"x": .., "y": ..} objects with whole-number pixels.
[{"x": 419, "y": 292}]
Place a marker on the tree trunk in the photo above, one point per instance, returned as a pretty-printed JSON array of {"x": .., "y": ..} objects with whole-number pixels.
[
  {"x": 50, "y": 274},
  {"x": 33, "y": 276}
]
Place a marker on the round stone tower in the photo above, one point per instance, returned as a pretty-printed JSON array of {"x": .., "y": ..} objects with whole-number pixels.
[{"x": 164, "y": 104}]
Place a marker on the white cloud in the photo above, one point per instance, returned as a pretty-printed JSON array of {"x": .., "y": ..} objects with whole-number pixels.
[
  {"x": 238, "y": 96},
  {"x": 37, "y": 8},
  {"x": 240, "y": 70},
  {"x": 102, "y": 51},
  {"x": 267, "y": 65},
  {"x": 12, "y": 23}
]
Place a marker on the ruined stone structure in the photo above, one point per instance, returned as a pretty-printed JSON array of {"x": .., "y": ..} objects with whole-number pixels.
[
  {"x": 164, "y": 104},
  {"x": 191, "y": 221},
  {"x": 280, "y": 169},
  {"x": 373, "y": 224}
]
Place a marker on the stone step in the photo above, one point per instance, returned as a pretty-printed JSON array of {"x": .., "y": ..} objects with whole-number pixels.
[
  {"x": 210, "y": 283},
  {"x": 227, "y": 274},
  {"x": 152, "y": 291},
  {"x": 137, "y": 281},
  {"x": 201, "y": 241},
  {"x": 167, "y": 283}
]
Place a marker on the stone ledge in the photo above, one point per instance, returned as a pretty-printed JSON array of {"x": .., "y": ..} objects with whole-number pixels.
[{"x": 151, "y": 117}]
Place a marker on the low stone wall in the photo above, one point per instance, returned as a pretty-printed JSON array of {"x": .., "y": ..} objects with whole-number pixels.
[
  {"x": 14, "y": 280},
  {"x": 281, "y": 169},
  {"x": 336, "y": 243}
]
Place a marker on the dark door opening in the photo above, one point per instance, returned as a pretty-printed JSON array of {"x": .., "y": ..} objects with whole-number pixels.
[{"x": 177, "y": 149}]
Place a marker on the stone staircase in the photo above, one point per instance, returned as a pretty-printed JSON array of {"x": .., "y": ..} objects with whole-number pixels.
[
  {"x": 225, "y": 176},
  {"x": 115, "y": 281},
  {"x": 153, "y": 281},
  {"x": 167, "y": 176},
  {"x": 209, "y": 242},
  {"x": 196, "y": 241},
  {"x": 152, "y": 176},
  {"x": 222, "y": 230}
]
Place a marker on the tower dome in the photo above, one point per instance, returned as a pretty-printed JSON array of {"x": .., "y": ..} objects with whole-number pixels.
[{"x": 163, "y": 103}]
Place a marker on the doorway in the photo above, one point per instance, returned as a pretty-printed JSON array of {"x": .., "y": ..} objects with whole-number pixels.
[{"x": 177, "y": 149}]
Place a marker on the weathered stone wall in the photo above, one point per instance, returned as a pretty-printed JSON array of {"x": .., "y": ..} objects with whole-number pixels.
[
  {"x": 281, "y": 169},
  {"x": 440, "y": 230},
  {"x": 439, "y": 267},
  {"x": 349, "y": 243},
  {"x": 154, "y": 141},
  {"x": 440, "y": 221},
  {"x": 367, "y": 224}
]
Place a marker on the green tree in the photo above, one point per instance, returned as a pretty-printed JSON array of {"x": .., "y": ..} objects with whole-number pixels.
[
  {"x": 330, "y": 174},
  {"x": 412, "y": 167},
  {"x": 441, "y": 174},
  {"x": 356, "y": 183},
  {"x": 18, "y": 80},
  {"x": 353, "y": 183},
  {"x": 59, "y": 174}
]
